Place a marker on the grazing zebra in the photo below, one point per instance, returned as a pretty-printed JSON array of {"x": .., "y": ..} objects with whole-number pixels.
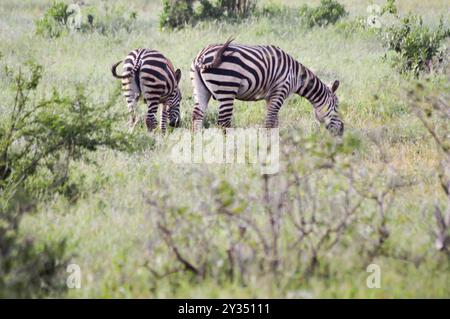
[
  {"x": 149, "y": 73},
  {"x": 250, "y": 73}
]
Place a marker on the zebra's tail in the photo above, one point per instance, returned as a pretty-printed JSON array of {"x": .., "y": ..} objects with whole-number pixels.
[
  {"x": 114, "y": 72},
  {"x": 218, "y": 57}
]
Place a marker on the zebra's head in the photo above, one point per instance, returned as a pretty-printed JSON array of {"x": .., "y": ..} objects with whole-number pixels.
[
  {"x": 173, "y": 103},
  {"x": 329, "y": 113}
]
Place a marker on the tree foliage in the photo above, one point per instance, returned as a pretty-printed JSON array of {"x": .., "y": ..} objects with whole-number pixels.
[
  {"x": 417, "y": 46},
  {"x": 326, "y": 13},
  {"x": 39, "y": 138},
  {"x": 177, "y": 13}
]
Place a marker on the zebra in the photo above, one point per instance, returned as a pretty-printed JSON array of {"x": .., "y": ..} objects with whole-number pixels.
[
  {"x": 149, "y": 73},
  {"x": 251, "y": 73}
]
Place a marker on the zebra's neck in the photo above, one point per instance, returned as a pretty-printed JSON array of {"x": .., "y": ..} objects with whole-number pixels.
[{"x": 311, "y": 87}]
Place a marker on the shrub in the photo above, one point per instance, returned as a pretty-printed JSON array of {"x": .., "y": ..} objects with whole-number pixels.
[
  {"x": 242, "y": 230},
  {"x": 349, "y": 27},
  {"x": 328, "y": 12},
  {"x": 415, "y": 45},
  {"x": 207, "y": 10},
  {"x": 54, "y": 22},
  {"x": 27, "y": 270},
  {"x": 39, "y": 133},
  {"x": 110, "y": 19},
  {"x": 60, "y": 18},
  {"x": 39, "y": 138},
  {"x": 273, "y": 9},
  {"x": 431, "y": 105},
  {"x": 236, "y": 8},
  {"x": 177, "y": 13},
  {"x": 389, "y": 7}
]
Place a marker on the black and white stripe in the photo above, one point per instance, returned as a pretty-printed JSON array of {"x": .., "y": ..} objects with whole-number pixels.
[
  {"x": 147, "y": 72},
  {"x": 250, "y": 73}
]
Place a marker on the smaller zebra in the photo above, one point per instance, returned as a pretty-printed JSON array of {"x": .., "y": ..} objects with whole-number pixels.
[{"x": 147, "y": 72}]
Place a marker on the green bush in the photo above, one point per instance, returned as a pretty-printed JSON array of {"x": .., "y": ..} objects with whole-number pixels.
[
  {"x": 60, "y": 18},
  {"x": 38, "y": 134},
  {"x": 39, "y": 139},
  {"x": 178, "y": 13},
  {"x": 273, "y": 9},
  {"x": 416, "y": 46},
  {"x": 54, "y": 22},
  {"x": 349, "y": 27},
  {"x": 431, "y": 106},
  {"x": 389, "y": 7},
  {"x": 207, "y": 10},
  {"x": 328, "y": 12},
  {"x": 110, "y": 19},
  {"x": 236, "y": 8},
  {"x": 323, "y": 200},
  {"x": 27, "y": 270}
]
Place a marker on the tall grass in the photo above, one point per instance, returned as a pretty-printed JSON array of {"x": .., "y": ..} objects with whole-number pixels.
[{"x": 112, "y": 230}]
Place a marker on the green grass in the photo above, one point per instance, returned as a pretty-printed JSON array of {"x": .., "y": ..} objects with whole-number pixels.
[{"x": 109, "y": 230}]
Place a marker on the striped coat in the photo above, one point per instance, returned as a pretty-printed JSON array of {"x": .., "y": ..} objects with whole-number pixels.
[
  {"x": 250, "y": 73},
  {"x": 149, "y": 74}
]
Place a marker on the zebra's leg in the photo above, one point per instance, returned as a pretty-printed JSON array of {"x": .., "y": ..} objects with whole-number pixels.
[
  {"x": 201, "y": 99},
  {"x": 132, "y": 111},
  {"x": 132, "y": 93},
  {"x": 164, "y": 115},
  {"x": 225, "y": 110},
  {"x": 274, "y": 104},
  {"x": 150, "y": 120}
]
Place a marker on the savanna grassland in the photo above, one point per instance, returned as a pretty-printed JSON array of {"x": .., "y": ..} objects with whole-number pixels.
[{"x": 139, "y": 225}]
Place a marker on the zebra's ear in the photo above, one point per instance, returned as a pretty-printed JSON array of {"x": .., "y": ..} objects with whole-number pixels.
[
  {"x": 334, "y": 86},
  {"x": 178, "y": 75}
]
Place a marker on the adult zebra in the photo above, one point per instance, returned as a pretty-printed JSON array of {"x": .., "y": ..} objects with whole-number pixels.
[
  {"x": 250, "y": 73},
  {"x": 147, "y": 72}
]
